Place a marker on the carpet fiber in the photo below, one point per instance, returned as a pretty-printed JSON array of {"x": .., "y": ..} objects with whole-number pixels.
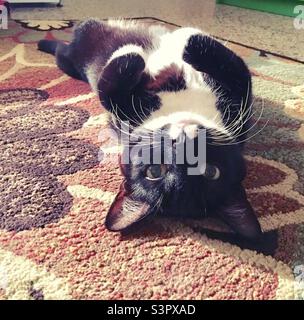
[{"x": 55, "y": 193}]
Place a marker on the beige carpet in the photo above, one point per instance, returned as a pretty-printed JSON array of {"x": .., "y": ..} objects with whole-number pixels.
[{"x": 260, "y": 30}]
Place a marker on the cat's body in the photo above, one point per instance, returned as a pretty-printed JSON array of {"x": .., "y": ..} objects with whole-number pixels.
[{"x": 177, "y": 81}]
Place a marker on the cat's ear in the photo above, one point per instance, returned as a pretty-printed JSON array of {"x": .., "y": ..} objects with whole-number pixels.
[
  {"x": 121, "y": 75},
  {"x": 239, "y": 215},
  {"x": 125, "y": 211}
]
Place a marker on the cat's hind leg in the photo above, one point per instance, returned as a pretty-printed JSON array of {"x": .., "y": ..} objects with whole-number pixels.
[
  {"x": 66, "y": 64},
  {"x": 48, "y": 46},
  {"x": 63, "y": 59}
]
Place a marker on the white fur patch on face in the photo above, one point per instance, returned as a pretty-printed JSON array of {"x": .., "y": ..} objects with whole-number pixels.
[{"x": 127, "y": 49}]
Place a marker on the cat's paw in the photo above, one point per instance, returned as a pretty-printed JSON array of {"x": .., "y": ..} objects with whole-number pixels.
[
  {"x": 203, "y": 53},
  {"x": 123, "y": 71},
  {"x": 196, "y": 48}
]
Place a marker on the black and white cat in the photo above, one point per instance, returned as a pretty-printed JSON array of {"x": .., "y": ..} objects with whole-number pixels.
[{"x": 178, "y": 82}]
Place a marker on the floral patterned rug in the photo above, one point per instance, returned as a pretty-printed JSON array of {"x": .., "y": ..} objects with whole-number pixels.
[{"x": 55, "y": 193}]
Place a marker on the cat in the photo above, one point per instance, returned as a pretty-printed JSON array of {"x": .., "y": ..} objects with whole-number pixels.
[{"x": 176, "y": 82}]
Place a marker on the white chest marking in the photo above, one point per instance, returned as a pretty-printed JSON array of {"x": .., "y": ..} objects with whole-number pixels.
[{"x": 170, "y": 50}]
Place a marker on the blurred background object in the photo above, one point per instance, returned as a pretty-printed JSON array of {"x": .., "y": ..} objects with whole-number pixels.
[
  {"x": 224, "y": 19},
  {"x": 282, "y": 7},
  {"x": 177, "y": 11},
  {"x": 37, "y": 2}
]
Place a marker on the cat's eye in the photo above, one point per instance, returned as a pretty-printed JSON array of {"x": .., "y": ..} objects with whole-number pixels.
[
  {"x": 156, "y": 172},
  {"x": 212, "y": 172}
]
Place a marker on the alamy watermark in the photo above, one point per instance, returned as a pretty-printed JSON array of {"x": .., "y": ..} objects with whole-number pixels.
[
  {"x": 157, "y": 148},
  {"x": 3, "y": 17},
  {"x": 298, "y": 21}
]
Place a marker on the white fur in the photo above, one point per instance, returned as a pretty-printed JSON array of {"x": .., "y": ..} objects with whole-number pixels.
[
  {"x": 158, "y": 31},
  {"x": 184, "y": 110},
  {"x": 124, "y": 24},
  {"x": 127, "y": 49},
  {"x": 170, "y": 50},
  {"x": 91, "y": 73}
]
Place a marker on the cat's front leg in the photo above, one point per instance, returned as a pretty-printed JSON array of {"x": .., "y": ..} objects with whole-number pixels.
[
  {"x": 122, "y": 72},
  {"x": 121, "y": 87},
  {"x": 120, "y": 76},
  {"x": 207, "y": 55}
]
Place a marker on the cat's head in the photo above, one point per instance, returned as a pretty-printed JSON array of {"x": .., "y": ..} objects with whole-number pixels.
[
  {"x": 165, "y": 104},
  {"x": 166, "y": 187}
]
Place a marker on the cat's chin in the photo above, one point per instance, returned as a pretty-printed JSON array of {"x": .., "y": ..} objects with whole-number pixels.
[
  {"x": 183, "y": 128},
  {"x": 184, "y": 124}
]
